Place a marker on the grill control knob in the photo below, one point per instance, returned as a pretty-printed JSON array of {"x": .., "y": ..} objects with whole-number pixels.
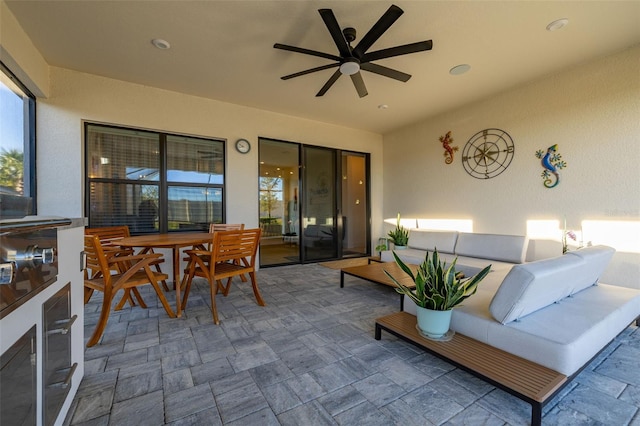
[{"x": 32, "y": 254}]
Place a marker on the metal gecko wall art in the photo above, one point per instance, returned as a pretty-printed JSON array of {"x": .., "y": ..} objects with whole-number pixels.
[
  {"x": 551, "y": 162},
  {"x": 446, "y": 141}
]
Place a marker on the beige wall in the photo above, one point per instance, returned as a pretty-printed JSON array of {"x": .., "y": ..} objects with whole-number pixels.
[
  {"x": 20, "y": 55},
  {"x": 72, "y": 97},
  {"x": 77, "y": 96},
  {"x": 592, "y": 112}
]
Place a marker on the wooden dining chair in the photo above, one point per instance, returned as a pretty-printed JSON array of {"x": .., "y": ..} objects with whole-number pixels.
[
  {"x": 232, "y": 253},
  {"x": 213, "y": 227},
  {"x": 109, "y": 237},
  {"x": 112, "y": 273}
]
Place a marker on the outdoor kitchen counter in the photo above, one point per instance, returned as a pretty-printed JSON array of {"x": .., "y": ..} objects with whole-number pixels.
[{"x": 36, "y": 311}]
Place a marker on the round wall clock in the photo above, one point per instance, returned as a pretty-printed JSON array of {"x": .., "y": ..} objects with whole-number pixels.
[
  {"x": 243, "y": 146},
  {"x": 488, "y": 153}
]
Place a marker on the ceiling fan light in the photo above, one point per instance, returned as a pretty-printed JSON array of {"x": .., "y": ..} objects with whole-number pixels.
[{"x": 350, "y": 66}]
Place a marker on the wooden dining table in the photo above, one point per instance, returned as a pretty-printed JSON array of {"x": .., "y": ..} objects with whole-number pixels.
[{"x": 175, "y": 241}]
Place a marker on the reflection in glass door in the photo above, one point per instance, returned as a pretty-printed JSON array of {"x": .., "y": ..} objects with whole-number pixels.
[
  {"x": 355, "y": 205},
  {"x": 320, "y": 230},
  {"x": 279, "y": 208}
]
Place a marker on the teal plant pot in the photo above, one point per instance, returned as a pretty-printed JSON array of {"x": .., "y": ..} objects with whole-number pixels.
[{"x": 433, "y": 324}]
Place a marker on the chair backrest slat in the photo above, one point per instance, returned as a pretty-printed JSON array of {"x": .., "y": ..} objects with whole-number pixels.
[
  {"x": 96, "y": 260},
  {"x": 231, "y": 245},
  {"x": 109, "y": 235},
  {"x": 215, "y": 227}
]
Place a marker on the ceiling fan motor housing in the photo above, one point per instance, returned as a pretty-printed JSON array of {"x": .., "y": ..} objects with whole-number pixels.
[{"x": 349, "y": 34}]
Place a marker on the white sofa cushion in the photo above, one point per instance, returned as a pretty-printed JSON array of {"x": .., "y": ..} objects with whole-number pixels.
[
  {"x": 596, "y": 259},
  {"x": 562, "y": 336},
  {"x": 535, "y": 285},
  {"x": 424, "y": 239},
  {"x": 505, "y": 248},
  {"x": 408, "y": 255}
]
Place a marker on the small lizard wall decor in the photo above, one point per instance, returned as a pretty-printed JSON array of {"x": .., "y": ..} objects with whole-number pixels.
[
  {"x": 551, "y": 162},
  {"x": 446, "y": 141}
]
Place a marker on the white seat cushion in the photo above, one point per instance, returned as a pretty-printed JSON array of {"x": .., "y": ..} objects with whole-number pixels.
[{"x": 563, "y": 336}]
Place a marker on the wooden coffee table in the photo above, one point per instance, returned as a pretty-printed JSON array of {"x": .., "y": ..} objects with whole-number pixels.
[{"x": 375, "y": 274}]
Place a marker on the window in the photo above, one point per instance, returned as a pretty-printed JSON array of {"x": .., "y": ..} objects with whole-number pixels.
[
  {"x": 152, "y": 181},
  {"x": 17, "y": 144}
]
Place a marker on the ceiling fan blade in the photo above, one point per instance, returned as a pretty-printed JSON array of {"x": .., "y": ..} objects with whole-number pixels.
[
  {"x": 336, "y": 75},
  {"x": 383, "y": 24},
  {"x": 358, "y": 82},
  {"x": 306, "y": 51},
  {"x": 405, "y": 49},
  {"x": 387, "y": 72},
  {"x": 336, "y": 33},
  {"x": 309, "y": 71}
]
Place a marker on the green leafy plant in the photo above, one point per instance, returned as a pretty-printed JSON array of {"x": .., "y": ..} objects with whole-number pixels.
[
  {"x": 381, "y": 247},
  {"x": 400, "y": 235},
  {"x": 438, "y": 287}
]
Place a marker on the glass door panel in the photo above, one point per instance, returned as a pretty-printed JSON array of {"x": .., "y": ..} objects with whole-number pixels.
[
  {"x": 279, "y": 208},
  {"x": 355, "y": 205},
  {"x": 319, "y": 225}
]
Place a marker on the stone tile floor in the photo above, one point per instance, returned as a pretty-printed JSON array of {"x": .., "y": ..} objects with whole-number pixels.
[{"x": 310, "y": 358}]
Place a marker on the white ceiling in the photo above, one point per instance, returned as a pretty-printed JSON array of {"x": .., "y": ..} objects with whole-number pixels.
[{"x": 224, "y": 49}]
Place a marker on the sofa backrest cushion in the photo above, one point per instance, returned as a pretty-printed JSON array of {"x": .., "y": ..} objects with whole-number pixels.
[
  {"x": 504, "y": 248},
  {"x": 596, "y": 260},
  {"x": 424, "y": 239},
  {"x": 532, "y": 286}
]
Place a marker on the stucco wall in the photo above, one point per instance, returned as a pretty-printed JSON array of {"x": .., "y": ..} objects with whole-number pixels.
[
  {"x": 77, "y": 96},
  {"x": 21, "y": 56},
  {"x": 590, "y": 111}
]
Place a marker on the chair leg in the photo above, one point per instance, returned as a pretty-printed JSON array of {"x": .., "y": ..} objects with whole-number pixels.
[
  {"x": 164, "y": 282},
  {"x": 224, "y": 289},
  {"x": 186, "y": 284},
  {"x": 163, "y": 299},
  {"x": 88, "y": 292},
  {"x": 102, "y": 321},
  {"x": 126, "y": 297},
  {"x": 213, "y": 286},
  {"x": 256, "y": 291},
  {"x": 138, "y": 296}
]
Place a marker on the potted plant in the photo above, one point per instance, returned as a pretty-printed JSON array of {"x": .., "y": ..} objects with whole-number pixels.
[
  {"x": 439, "y": 288},
  {"x": 399, "y": 236},
  {"x": 382, "y": 246}
]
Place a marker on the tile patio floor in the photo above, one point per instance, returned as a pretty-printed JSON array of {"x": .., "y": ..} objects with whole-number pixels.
[{"x": 310, "y": 358}]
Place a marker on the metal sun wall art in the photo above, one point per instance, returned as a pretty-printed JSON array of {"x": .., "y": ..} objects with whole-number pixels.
[
  {"x": 446, "y": 141},
  {"x": 551, "y": 162}
]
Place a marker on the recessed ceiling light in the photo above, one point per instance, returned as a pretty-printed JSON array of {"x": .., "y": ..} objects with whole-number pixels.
[
  {"x": 160, "y": 43},
  {"x": 557, "y": 24},
  {"x": 459, "y": 69},
  {"x": 383, "y": 106}
]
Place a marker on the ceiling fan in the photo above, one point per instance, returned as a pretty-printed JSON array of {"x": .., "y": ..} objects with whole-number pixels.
[{"x": 354, "y": 59}]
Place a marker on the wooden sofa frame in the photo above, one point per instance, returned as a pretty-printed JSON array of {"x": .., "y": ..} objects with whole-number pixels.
[{"x": 528, "y": 381}]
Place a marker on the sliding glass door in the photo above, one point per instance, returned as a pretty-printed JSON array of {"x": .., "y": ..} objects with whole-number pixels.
[
  {"x": 354, "y": 204},
  {"x": 279, "y": 206},
  {"x": 314, "y": 203},
  {"x": 319, "y": 221}
]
